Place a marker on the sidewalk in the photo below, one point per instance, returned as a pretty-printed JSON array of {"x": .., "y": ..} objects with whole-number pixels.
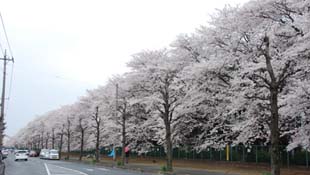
[
  {"x": 190, "y": 167},
  {"x": 177, "y": 170},
  {"x": 154, "y": 168}
]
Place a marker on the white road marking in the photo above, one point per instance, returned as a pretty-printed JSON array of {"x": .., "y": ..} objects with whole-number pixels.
[
  {"x": 103, "y": 169},
  {"x": 63, "y": 174},
  {"x": 75, "y": 171},
  {"x": 47, "y": 170},
  {"x": 89, "y": 169}
]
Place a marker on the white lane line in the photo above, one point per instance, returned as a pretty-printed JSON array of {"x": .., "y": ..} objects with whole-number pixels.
[
  {"x": 47, "y": 170},
  {"x": 103, "y": 169},
  {"x": 89, "y": 169},
  {"x": 76, "y": 171}
]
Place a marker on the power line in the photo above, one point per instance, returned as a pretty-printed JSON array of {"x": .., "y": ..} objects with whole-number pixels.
[
  {"x": 1, "y": 49},
  {"x": 11, "y": 80},
  {"x": 6, "y": 36}
]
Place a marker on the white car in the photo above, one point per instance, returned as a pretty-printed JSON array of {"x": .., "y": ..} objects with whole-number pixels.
[
  {"x": 21, "y": 155},
  {"x": 53, "y": 154},
  {"x": 27, "y": 152},
  {"x": 5, "y": 153},
  {"x": 44, "y": 154}
]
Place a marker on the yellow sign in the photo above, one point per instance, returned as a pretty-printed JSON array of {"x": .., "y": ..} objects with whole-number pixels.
[{"x": 227, "y": 152}]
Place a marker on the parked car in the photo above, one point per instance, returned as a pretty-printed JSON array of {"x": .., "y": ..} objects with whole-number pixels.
[
  {"x": 21, "y": 155},
  {"x": 53, "y": 154},
  {"x": 44, "y": 154},
  {"x": 5, "y": 153},
  {"x": 33, "y": 153},
  {"x": 27, "y": 152}
]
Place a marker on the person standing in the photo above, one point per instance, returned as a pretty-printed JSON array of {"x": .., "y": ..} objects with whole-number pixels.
[{"x": 127, "y": 151}]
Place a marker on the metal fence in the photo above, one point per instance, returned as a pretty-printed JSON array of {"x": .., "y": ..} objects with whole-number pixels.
[{"x": 254, "y": 154}]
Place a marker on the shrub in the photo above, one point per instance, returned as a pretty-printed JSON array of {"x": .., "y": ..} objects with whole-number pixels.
[
  {"x": 266, "y": 173},
  {"x": 163, "y": 168},
  {"x": 119, "y": 163},
  {"x": 93, "y": 161}
]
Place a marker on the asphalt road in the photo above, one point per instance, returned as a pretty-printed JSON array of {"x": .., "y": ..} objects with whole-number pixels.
[{"x": 36, "y": 166}]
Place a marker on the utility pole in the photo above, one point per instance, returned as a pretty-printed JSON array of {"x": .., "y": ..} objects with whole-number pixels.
[{"x": 2, "y": 124}]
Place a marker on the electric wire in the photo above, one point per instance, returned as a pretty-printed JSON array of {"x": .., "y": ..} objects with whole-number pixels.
[
  {"x": 6, "y": 36},
  {"x": 1, "y": 49}
]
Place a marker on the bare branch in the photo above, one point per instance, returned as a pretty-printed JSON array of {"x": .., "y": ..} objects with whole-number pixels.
[{"x": 256, "y": 97}]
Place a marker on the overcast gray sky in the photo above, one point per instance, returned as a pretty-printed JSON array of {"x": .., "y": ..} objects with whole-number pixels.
[{"x": 63, "y": 47}]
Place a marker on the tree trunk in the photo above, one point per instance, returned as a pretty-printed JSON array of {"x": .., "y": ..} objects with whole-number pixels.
[
  {"x": 38, "y": 142},
  {"x": 60, "y": 146},
  {"x": 168, "y": 140},
  {"x": 46, "y": 143},
  {"x": 97, "y": 120},
  {"x": 53, "y": 143},
  {"x": 42, "y": 142},
  {"x": 97, "y": 144},
  {"x": 82, "y": 144},
  {"x": 123, "y": 138},
  {"x": 68, "y": 155},
  {"x": 274, "y": 109},
  {"x": 167, "y": 114},
  {"x": 275, "y": 152},
  {"x": 53, "y": 139},
  {"x": 169, "y": 147}
]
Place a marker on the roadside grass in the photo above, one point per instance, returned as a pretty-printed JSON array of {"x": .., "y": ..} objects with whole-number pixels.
[{"x": 212, "y": 166}]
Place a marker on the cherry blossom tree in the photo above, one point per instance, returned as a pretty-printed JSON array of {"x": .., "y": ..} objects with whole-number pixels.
[
  {"x": 156, "y": 78},
  {"x": 265, "y": 51}
]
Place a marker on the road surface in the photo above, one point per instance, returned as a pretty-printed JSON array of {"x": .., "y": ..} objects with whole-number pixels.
[{"x": 36, "y": 166}]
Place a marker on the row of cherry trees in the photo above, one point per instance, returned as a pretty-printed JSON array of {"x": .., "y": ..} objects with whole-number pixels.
[{"x": 244, "y": 78}]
